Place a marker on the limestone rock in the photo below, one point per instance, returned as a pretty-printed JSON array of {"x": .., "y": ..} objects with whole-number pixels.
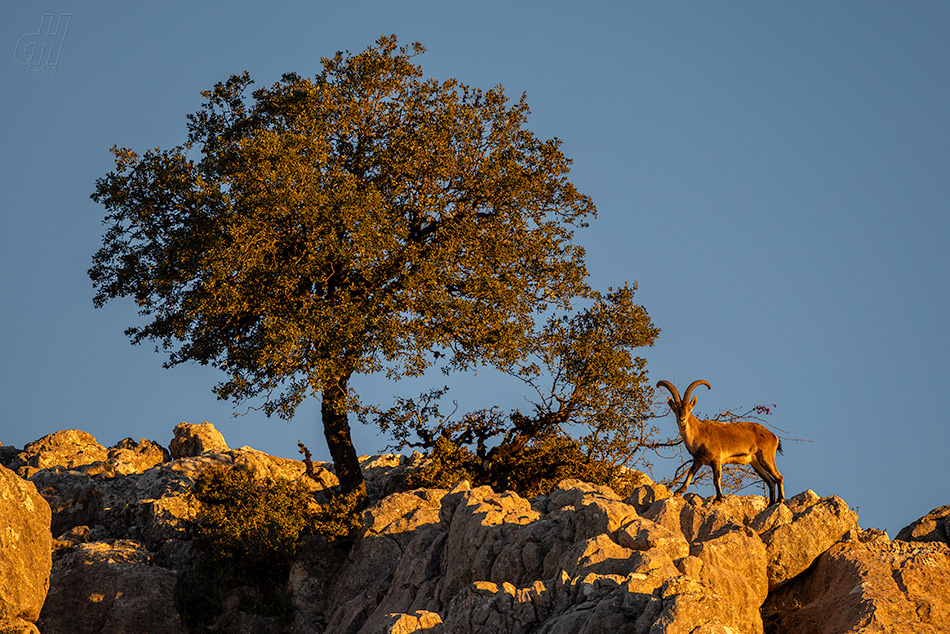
[
  {"x": 743, "y": 508},
  {"x": 110, "y": 588},
  {"x": 645, "y": 495},
  {"x": 388, "y": 529},
  {"x": 264, "y": 466},
  {"x": 194, "y": 440},
  {"x": 572, "y": 492},
  {"x": 128, "y": 456},
  {"x": 816, "y": 525},
  {"x": 9, "y": 457},
  {"x": 878, "y": 586},
  {"x": 601, "y": 555},
  {"x": 383, "y": 473},
  {"x": 166, "y": 518},
  {"x": 692, "y": 521},
  {"x": 596, "y": 515},
  {"x": 192, "y": 467},
  {"x": 933, "y": 527},
  {"x": 683, "y": 605},
  {"x": 734, "y": 568},
  {"x": 482, "y": 524},
  {"x": 68, "y": 448},
  {"x": 643, "y": 534},
  {"x": 580, "y": 560},
  {"x": 25, "y": 550},
  {"x": 314, "y": 578},
  {"x": 419, "y": 621},
  {"x": 75, "y": 499},
  {"x": 17, "y": 626}
]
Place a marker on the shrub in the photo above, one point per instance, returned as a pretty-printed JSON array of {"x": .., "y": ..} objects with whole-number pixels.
[
  {"x": 247, "y": 523},
  {"x": 248, "y": 535},
  {"x": 528, "y": 467}
]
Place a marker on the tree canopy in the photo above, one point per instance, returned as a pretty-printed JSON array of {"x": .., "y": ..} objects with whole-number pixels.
[
  {"x": 364, "y": 220},
  {"x": 590, "y": 414}
]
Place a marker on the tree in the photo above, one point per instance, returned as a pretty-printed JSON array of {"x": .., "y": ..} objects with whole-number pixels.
[
  {"x": 591, "y": 409},
  {"x": 365, "y": 220}
]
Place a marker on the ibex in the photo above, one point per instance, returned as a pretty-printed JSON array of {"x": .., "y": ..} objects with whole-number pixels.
[{"x": 717, "y": 443}]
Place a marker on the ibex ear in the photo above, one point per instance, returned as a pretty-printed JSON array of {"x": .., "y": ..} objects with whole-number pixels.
[
  {"x": 671, "y": 403},
  {"x": 692, "y": 403}
]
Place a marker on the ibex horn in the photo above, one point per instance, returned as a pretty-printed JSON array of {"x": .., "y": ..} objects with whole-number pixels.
[
  {"x": 671, "y": 388},
  {"x": 692, "y": 385}
]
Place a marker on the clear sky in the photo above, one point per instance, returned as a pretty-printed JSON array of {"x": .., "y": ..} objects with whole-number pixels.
[{"x": 775, "y": 176}]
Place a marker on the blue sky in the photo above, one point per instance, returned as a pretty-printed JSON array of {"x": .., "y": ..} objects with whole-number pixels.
[{"x": 774, "y": 176}]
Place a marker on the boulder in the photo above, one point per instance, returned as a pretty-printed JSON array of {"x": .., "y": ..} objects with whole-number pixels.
[
  {"x": 690, "y": 517},
  {"x": 878, "y": 586},
  {"x": 194, "y": 440},
  {"x": 74, "y": 498},
  {"x": 480, "y": 525},
  {"x": 602, "y": 556},
  {"x": 933, "y": 527},
  {"x": 734, "y": 568},
  {"x": 384, "y": 473},
  {"x": 314, "y": 578},
  {"x": 365, "y": 580},
  {"x": 743, "y": 508},
  {"x": 645, "y": 495},
  {"x": 26, "y": 547},
  {"x": 129, "y": 456},
  {"x": 17, "y": 626},
  {"x": 580, "y": 560},
  {"x": 110, "y": 588},
  {"x": 572, "y": 493},
  {"x": 9, "y": 457},
  {"x": 643, "y": 534},
  {"x": 68, "y": 448},
  {"x": 684, "y": 605},
  {"x": 816, "y": 524}
]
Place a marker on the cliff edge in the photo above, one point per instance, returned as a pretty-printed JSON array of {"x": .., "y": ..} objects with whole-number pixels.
[{"x": 580, "y": 559}]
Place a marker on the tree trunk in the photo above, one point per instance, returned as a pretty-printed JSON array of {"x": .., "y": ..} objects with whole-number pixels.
[{"x": 336, "y": 428}]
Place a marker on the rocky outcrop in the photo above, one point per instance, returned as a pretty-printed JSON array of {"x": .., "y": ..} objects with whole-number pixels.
[
  {"x": 74, "y": 450},
  {"x": 878, "y": 586},
  {"x": 25, "y": 552},
  {"x": 68, "y": 448},
  {"x": 933, "y": 527},
  {"x": 194, "y": 440},
  {"x": 110, "y": 587},
  {"x": 580, "y": 559},
  {"x": 129, "y": 456},
  {"x": 797, "y": 533}
]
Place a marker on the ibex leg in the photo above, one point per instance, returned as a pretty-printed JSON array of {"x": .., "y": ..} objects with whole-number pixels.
[{"x": 689, "y": 476}]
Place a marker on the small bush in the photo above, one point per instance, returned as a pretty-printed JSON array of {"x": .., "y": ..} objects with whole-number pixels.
[
  {"x": 340, "y": 518},
  {"x": 247, "y": 523},
  {"x": 248, "y": 535},
  {"x": 527, "y": 468},
  {"x": 449, "y": 463}
]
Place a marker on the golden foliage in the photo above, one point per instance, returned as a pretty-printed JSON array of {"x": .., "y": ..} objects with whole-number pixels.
[{"x": 349, "y": 223}]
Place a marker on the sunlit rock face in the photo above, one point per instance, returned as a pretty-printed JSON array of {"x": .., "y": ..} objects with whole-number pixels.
[
  {"x": 25, "y": 552},
  {"x": 873, "y": 586},
  {"x": 933, "y": 527},
  {"x": 194, "y": 440},
  {"x": 121, "y": 525}
]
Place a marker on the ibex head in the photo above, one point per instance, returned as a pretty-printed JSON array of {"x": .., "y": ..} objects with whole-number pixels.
[{"x": 682, "y": 407}]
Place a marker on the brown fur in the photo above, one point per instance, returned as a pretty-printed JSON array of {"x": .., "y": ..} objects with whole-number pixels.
[{"x": 716, "y": 443}]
